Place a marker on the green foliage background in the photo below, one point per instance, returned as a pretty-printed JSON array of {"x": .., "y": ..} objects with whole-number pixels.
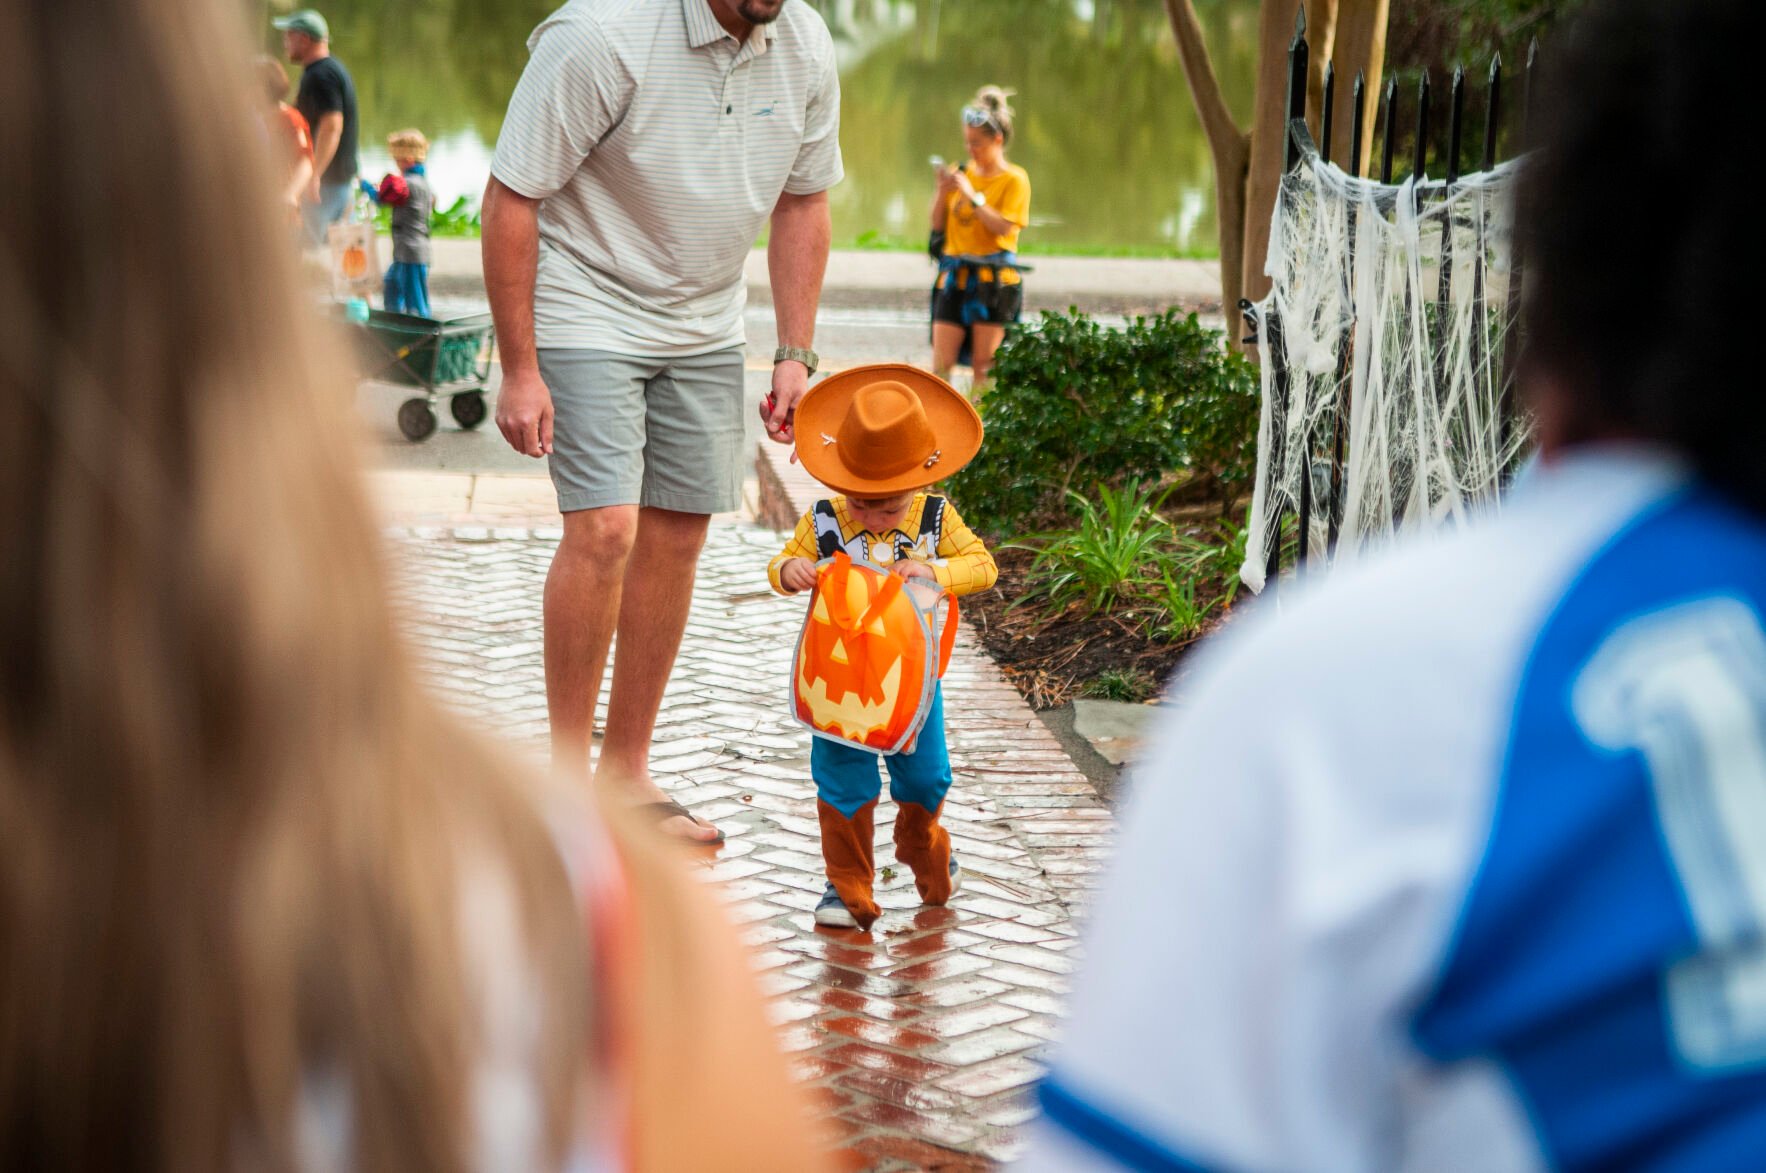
[
  {"x": 1074, "y": 404},
  {"x": 1117, "y": 159}
]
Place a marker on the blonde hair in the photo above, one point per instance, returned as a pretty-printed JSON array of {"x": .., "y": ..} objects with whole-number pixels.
[
  {"x": 408, "y": 144},
  {"x": 238, "y": 833},
  {"x": 994, "y": 100}
]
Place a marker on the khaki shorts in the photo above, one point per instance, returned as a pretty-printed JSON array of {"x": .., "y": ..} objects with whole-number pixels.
[{"x": 659, "y": 432}]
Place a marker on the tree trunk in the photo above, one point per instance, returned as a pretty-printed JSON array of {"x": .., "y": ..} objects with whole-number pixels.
[
  {"x": 1321, "y": 34},
  {"x": 1275, "y": 30},
  {"x": 1230, "y": 168},
  {"x": 1359, "y": 46},
  {"x": 1248, "y": 167},
  {"x": 1231, "y": 151}
]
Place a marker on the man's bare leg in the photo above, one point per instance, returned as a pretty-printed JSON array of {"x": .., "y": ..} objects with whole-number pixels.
[
  {"x": 652, "y": 617},
  {"x": 581, "y": 610}
]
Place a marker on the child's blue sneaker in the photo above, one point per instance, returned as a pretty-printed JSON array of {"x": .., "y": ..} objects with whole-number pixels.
[
  {"x": 956, "y": 875},
  {"x": 832, "y": 913}
]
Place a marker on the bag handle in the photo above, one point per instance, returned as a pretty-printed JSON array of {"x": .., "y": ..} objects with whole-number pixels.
[
  {"x": 834, "y": 584},
  {"x": 947, "y": 636},
  {"x": 831, "y": 585}
]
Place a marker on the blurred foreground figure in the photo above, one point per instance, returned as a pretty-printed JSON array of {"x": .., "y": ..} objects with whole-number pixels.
[
  {"x": 262, "y": 904},
  {"x": 1460, "y": 862}
]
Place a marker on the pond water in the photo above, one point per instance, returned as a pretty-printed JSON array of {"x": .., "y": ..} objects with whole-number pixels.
[{"x": 1106, "y": 128}]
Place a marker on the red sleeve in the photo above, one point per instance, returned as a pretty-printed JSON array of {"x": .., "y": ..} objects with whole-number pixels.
[
  {"x": 299, "y": 134},
  {"x": 394, "y": 191}
]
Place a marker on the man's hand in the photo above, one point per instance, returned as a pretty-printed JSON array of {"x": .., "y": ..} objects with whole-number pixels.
[
  {"x": 796, "y": 257},
  {"x": 908, "y": 568},
  {"x": 797, "y": 574},
  {"x": 778, "y": 413},
  {"x": 524, "y": 411}
]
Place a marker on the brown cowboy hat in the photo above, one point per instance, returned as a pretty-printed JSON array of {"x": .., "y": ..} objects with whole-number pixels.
[{"x": 879, "y": 430}]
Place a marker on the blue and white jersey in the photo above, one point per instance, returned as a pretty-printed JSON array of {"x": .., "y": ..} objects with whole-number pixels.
[{"x": 1457, "y": 863}]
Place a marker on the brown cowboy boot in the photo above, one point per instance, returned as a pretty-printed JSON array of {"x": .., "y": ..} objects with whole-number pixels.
[
  {"x": 924, "y": 845},
  {"x": 846, "y": 850}
]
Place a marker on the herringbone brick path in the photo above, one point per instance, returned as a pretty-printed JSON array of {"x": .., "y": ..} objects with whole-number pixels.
[{"x": 920, "y": 1038}]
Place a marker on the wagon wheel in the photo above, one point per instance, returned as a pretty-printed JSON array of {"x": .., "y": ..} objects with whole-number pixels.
[
  {"x": 469, "y": 409},
  {"x": 416, "y": 419}
]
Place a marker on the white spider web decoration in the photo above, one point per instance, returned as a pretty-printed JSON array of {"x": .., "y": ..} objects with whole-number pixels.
[{"x": 1361, "y": 315}]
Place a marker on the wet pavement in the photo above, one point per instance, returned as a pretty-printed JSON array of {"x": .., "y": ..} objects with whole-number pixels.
[{"x": 920, "y": 1039}]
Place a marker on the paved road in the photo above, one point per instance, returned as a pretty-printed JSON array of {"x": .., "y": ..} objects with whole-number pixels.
[{"x": 920, "y": 1039}]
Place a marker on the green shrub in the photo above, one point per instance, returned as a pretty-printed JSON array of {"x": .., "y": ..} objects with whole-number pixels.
[
  {"x": 1119, "y": 540},
  {"x": 1072, "y": 401}
]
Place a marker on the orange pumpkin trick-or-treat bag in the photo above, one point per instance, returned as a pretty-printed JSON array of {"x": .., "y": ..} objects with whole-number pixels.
[
  {"x": 873, "y": 648},
  {"x": 355, "y": 260}
]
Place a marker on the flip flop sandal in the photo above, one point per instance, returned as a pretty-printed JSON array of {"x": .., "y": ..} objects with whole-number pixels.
[{"x": 668, "y": 808}]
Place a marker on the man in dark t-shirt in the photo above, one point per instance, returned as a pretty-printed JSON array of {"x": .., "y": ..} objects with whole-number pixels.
[{"x": 327, "y": 98}]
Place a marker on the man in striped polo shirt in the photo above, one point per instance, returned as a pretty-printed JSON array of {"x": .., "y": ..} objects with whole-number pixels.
[{"x": 646, "y": 146}]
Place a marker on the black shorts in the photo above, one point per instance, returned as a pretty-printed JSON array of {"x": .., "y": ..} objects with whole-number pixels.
[{"x": 1004, "y": 303}]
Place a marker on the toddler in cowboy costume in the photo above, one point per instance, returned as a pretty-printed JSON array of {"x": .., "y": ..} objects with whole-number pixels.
[{"x": 879, "y": 435}]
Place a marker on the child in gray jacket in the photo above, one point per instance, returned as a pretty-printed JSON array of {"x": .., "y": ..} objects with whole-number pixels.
[{"x": 407, "y": 281}]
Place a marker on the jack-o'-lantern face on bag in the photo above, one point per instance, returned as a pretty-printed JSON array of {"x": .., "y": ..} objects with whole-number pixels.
[{"x": 867, "y": 659}]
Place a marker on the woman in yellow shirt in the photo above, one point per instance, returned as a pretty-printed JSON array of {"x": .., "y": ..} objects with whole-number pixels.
[{"x": 979, "y": 209}]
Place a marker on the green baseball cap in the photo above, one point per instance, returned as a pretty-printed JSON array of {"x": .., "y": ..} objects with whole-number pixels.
[{"x": 305, "y": 21}]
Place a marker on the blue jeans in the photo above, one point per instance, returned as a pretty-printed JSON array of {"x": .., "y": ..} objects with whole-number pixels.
[
  {"x": 406, "y": 289},
  {"x": 334, "y": 201},
  {"x": 846, "y": 778}
]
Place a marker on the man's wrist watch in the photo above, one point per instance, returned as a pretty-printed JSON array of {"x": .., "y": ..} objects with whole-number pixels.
[{"x": 800, "y": 354}]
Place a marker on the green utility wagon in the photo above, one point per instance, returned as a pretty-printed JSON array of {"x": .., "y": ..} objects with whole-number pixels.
[{"x": 451, "y": 358}]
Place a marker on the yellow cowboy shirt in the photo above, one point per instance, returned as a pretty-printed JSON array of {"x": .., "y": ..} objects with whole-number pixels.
[{"x": 961, "y": 564}]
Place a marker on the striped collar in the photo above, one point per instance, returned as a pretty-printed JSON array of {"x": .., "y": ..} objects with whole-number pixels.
[
  {"x": 703, "y": 28},
  {"x": 909, "y": 527}
]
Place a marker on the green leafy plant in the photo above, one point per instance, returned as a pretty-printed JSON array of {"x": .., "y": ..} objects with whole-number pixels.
[
  {"x": 1119, "y": 540},
  {"x": 1178, "y": 615},
  {"x": 1119, "y": 684},
  {"x": 1073, "y": 401},
  {"x": 1215, "y": 554},
  {"x": 459, "y": 219}
]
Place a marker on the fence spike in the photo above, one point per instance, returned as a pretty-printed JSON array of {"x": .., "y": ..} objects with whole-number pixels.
[
  {"x": 1300, "y": 22},
  {"x": 1493, "y": 113},
  {"x": 1391, "y": 118},
  {"x": 1330, "y": 105},
  {"x": 1422, "y": 128},
  {"x": 1357, "y": 122},
  {"x": 1299, "y": 58},
  {"x": 1455, "y": 121}
]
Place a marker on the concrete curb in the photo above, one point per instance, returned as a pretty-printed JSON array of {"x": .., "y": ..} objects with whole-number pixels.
[{"x": 861, "y": 279}]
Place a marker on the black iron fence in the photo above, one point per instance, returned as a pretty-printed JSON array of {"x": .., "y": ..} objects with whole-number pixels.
[{"x": 1326, "y": 440}]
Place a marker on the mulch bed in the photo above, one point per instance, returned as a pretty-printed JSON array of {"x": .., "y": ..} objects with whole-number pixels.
[{"x": 1050, "y": 657}]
